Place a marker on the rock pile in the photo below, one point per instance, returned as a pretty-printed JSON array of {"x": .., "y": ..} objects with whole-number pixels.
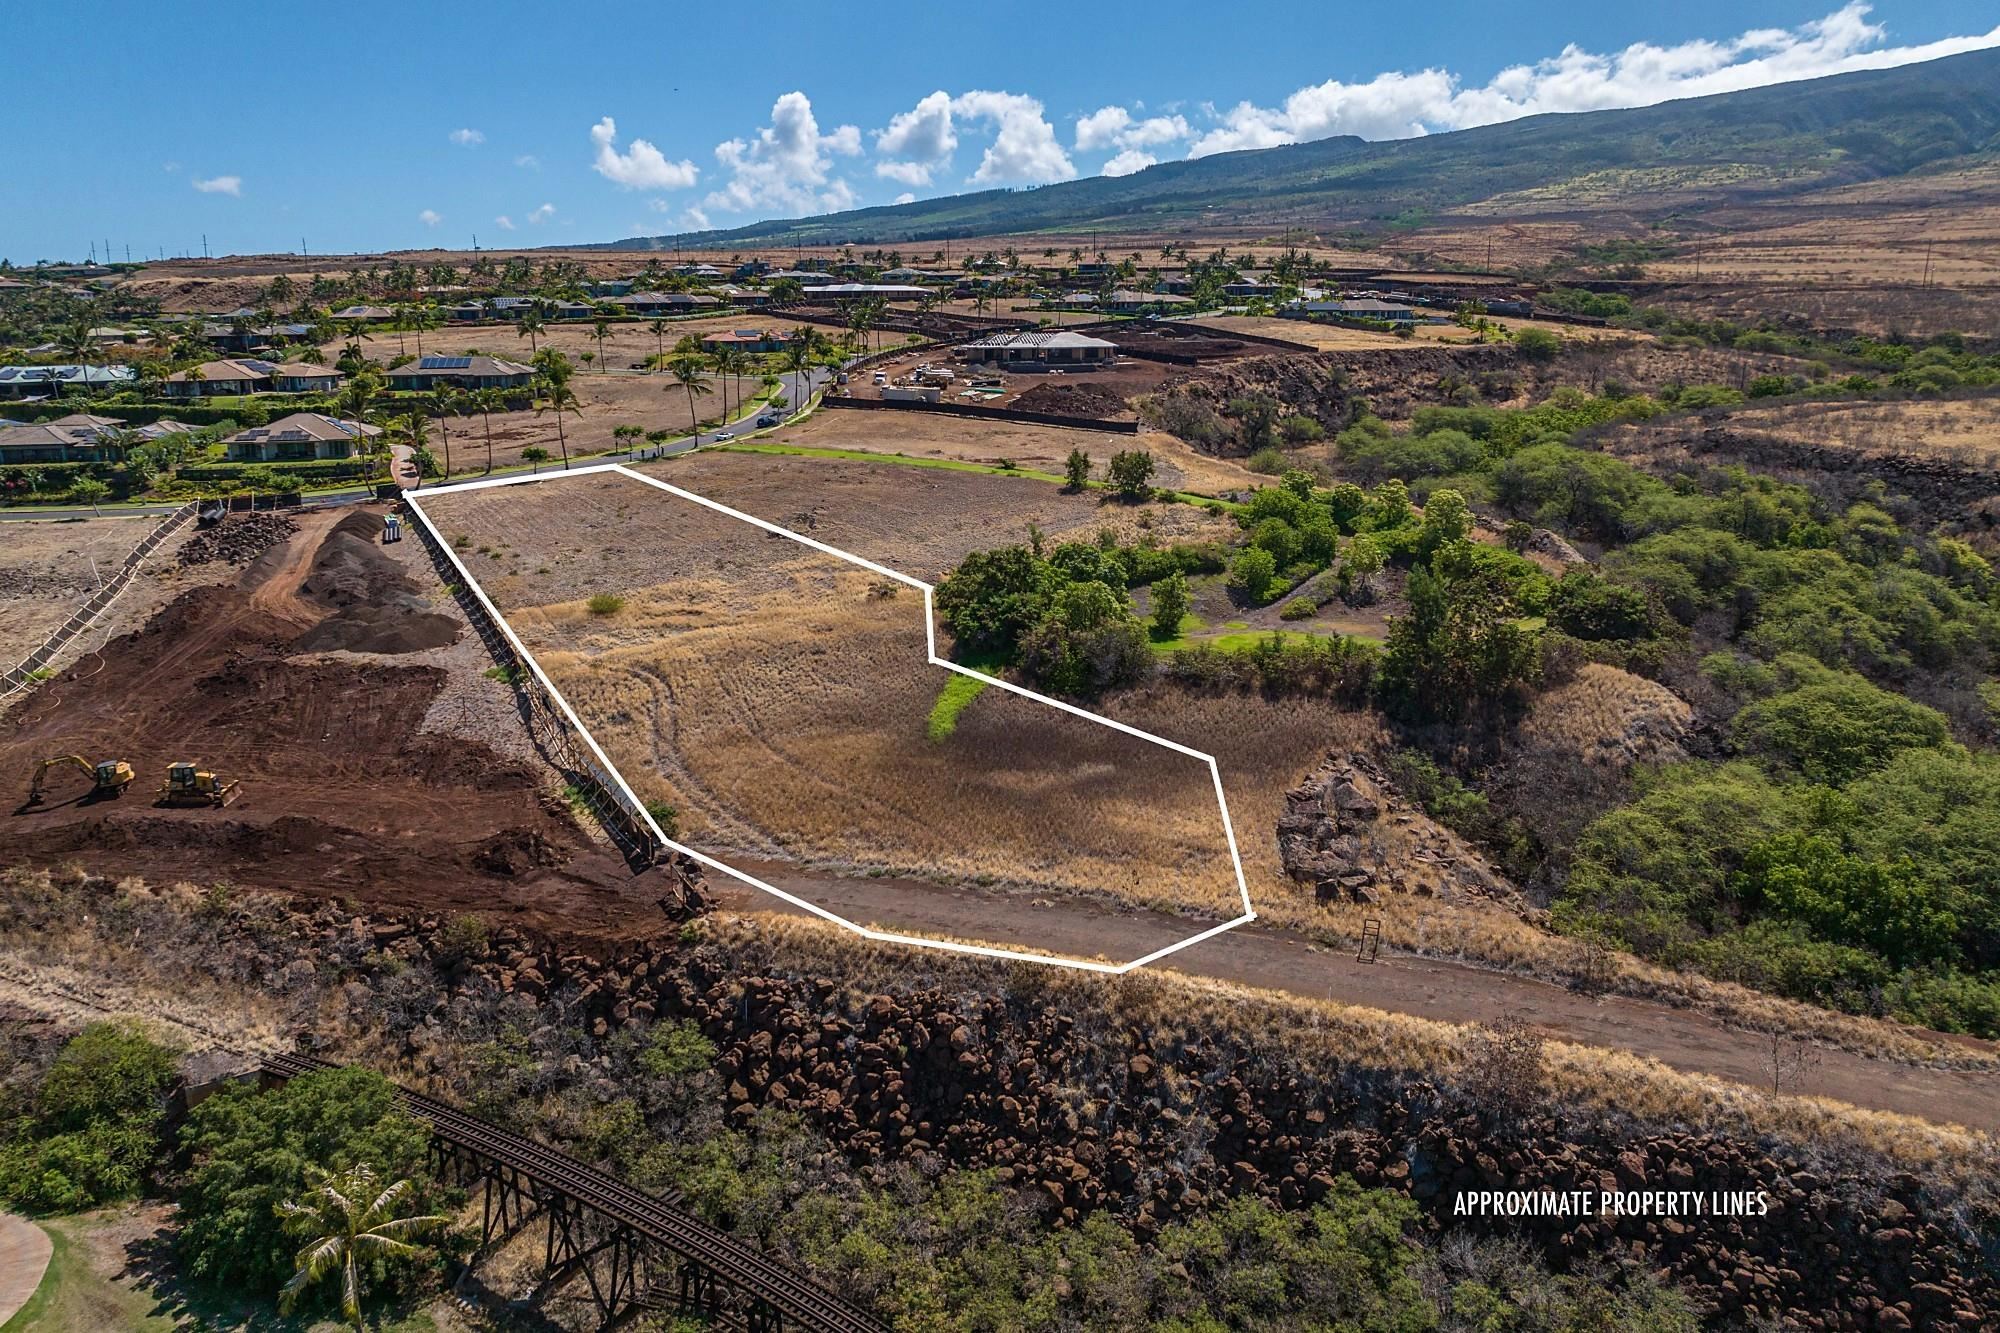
[
  {"x": 1347, "y": 833},
  {"x": 237, "y": 539},
  {"x": 1083, "y": 1112}
]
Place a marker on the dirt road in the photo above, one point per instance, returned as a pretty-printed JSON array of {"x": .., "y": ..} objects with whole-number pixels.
[{"x": 1425, "y": 988}]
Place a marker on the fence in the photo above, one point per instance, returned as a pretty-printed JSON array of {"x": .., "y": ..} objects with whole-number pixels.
[
  {"x": 556, "y": 737},
  {"x": 21, "y": 676}
]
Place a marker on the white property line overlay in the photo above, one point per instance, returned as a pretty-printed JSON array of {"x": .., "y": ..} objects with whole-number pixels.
[{"x": 930, "y": 632}]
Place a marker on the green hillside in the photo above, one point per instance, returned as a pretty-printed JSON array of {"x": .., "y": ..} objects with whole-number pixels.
[{"x": 1780, "y": 139}]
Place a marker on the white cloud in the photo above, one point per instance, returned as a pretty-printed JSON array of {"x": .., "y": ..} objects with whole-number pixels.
[
  {"x": 170, "y": 167},
  {"x": 640, "y": 167},
  {"x": 1100, "y": 128},
  {"x": 467, "y": 138},
  {"x": 786, "y": 166},
  {"x": 528, "y": 161},
  {"x": 1399, "y": 105},
  {"x": 837, "y": 196},
  {"x": 917, "y": 141},
  {"x": 906, "y": 198},
  {"x": 504, "y": 223},
  {"x": 1024, "y": 150},
  {"x": 230, "y": 185},
  {"x": 542, "y": 214},
  {"x": 1154, "y": 131},
  {"x": 430, "y": 217},
  {"x": 694, "y": 219},
  {"x": 1129, "y": 161}
]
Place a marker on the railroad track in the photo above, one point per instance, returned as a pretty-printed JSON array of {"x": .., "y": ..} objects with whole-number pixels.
[{"x": 658, "y": 1220}]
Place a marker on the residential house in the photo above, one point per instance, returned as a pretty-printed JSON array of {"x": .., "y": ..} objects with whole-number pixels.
[
  {"x": 866, "y": 291},
  {"x": 212, "y": 378},
  {"x": 1125, "y": 301},
  {"x": 77, "y": 438},
  {"x": 463, "y": 372},
  {"x": 366, "y": 314},
  {"x": 804, "y": 277},
  {"x": 662, "y": 303},
  {"x": 301, "y": 437},
  {"x": 706, "y": 272},
  {"x": 747, "y": 298},
  {"x": 1365, "y": 308},
  {"x": 744, "y": 340},
  {"x": 303, "y": 377},
  {"x": 1039, "y": 349},
  {"x": 47, "y": 381}
]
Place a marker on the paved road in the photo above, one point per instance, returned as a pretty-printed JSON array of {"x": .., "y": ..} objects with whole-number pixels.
[{"x": 24, "y": 1257}]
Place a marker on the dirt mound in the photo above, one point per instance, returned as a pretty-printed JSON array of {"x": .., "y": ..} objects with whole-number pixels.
[
  {"x": 1610, "y": 718},
  {"x": 1095, "y": 401},
  {"x": 237, "y": 540},
  {"x": 376, "y": 607},
  {"x": 516, "y": 851}
]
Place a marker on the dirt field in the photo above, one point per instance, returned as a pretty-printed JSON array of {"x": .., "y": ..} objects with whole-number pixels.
[
  {"x": 344, "y": 789},
  {"x": 1335, "y": 338},
  {"x": 778, "y": 698},
  {"x": 1103, "y": 395}
]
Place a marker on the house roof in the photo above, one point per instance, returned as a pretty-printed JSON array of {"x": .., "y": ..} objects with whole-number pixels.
[
  {"x": 71, "y": 374},
  {"x": 79, "y": 430},
  {"x": 304, "y": 426},
  {"x": 1365, "y": 306},
  {"x": 304, "y": 370},
  {"x": 739, "y": 336},
  {"x": 1041, "y": 338},
  {"x": 243, "y": 368},
  {"x": 870, "y": 289},
  {"x": 481, "y": 366},
  {"x": 1126, "y": 297}
]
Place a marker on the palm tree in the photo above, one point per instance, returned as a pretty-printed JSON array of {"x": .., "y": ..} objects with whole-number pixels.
[
  {"x": 736, "y": 363},
  {"x": 347, "y": 1222},
  {"x": 485, "y": 400},
  {"x": 357, "y": 396},
  {"x": 558, "y": 397},
  {"x": 689, "y": 373},
  {"x": 443, "y": 404},
  {"x": 529, "y": 327},
  {"x": 798, "y": 355},
  {"x": 598, "y": 328},
  {"x": 659, "y": 328}
]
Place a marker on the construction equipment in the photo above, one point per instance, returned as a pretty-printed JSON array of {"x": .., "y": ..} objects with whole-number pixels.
[
  {"x": 190, "y": 784},
  {"x": 108, "y": 778}
]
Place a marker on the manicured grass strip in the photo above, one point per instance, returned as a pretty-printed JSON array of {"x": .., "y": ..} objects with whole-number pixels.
[
  {"x": 958, "y": 691},
  {"x": 864, "y": 456},
  {"x": 1244, "y": 642}
]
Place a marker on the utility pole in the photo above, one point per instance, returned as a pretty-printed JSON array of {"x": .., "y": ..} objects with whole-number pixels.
[{"x": 204, "y": 245}]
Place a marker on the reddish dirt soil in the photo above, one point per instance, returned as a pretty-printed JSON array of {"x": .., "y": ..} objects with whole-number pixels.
[{"x": 341, "y": 792}]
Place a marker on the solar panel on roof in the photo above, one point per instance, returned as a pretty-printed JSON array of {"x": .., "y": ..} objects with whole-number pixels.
[{"x": 445, "y": 363}]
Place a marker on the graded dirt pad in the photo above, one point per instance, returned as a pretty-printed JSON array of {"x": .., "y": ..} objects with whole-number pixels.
[
  {"x": 342, "y": 794},
  {"x": 779, "y": 698}
]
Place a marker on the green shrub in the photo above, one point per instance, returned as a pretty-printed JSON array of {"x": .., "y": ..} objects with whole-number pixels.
[
  {"x": 1298, "y": 608},
  {"x": 95, "y": 1128},
  {"x": 605, "y": 604},
  {"x": 249, "y": 1152}
]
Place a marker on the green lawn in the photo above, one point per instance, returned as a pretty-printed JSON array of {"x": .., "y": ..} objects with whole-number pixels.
[
  {"x": 73, "y": 1299},
  {"x": 1243, "y": 641},
  {"x": 958, "y": 691}
]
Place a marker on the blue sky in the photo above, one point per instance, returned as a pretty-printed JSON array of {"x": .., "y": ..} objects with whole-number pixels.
[{"x": 374, "y": 126}]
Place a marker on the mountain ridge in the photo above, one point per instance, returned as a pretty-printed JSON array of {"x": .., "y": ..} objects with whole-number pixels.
[{"x": 1781, "y": 138}]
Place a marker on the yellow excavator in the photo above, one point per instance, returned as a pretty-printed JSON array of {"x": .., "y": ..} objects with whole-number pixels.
[
  {"x": 108, "y": 778},
  {"x": 191, "y": 784}
]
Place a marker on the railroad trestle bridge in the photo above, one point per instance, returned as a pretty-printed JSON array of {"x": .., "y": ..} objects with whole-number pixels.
[{"x": 634, "y": 1251}]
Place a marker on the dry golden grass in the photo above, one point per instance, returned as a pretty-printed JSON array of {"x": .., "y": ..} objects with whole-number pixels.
[
  {"x": 1964, "y": 431},
  {"x": 1336, "y": 338},
  {"x": 1606, "y": 716},
  {"x": 779, "y": 698}
]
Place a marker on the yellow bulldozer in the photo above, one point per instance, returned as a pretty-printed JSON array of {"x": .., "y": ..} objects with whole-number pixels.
[
  {"x": 191, "y": 784},
  {"x": 108, "y": 777}
]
